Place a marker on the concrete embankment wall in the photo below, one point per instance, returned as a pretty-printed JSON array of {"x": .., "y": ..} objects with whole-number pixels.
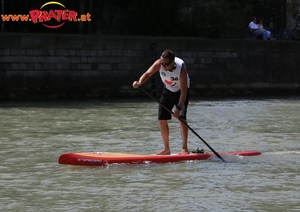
[{"x": 66, "y": 66}]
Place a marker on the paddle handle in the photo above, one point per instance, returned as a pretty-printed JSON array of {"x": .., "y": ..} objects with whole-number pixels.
[{"x": 180, "y": 119}]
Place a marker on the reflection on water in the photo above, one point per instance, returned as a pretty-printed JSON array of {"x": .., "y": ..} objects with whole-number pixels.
[{"x": 34, "y": 134}]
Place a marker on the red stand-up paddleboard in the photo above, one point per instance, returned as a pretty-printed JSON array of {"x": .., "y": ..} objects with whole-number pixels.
[{"x": 105, "y": 158}]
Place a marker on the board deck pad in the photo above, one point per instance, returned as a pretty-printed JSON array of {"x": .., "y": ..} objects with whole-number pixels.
[{"x": 106, "y": 158}]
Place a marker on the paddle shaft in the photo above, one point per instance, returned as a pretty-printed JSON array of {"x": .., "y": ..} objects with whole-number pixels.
[{"x": 180, "y": 119}]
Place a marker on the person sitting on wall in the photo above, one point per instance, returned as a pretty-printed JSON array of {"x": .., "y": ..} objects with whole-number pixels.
[
  {"x": 261, "y": 27},
  {"x": 256, "y": 31}
]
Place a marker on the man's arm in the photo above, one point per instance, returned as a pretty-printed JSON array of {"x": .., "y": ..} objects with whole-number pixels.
[
  {"x": 183, "y": 85},
  {"x": 253, "y": 26},
  {"x": 154, "y": 68}
]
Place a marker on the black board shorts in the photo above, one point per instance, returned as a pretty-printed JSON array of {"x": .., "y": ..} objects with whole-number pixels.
[{"x": 170, "y": 99}]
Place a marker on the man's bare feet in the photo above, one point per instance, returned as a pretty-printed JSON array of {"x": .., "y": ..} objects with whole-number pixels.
[
  {"x": 184, "y": 152},
  {"x": 164, "y": 152}
]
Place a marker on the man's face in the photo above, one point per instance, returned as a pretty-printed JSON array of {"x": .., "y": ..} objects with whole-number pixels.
[{"x": 166, "y": 63}]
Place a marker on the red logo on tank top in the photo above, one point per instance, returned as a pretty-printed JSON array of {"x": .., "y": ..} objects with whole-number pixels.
[{"x": 170, "y": 83}]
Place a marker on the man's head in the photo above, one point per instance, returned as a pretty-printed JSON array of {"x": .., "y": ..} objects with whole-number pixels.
[{"x": 167, "y": 59}]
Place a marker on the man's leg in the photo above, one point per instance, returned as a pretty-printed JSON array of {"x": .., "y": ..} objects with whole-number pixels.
[
  {"x": 184, "y": 137},
  {"x": 259, "y": 32},
  {"x": 164, "y": 130},
  {"x": 265, "y": 34}
]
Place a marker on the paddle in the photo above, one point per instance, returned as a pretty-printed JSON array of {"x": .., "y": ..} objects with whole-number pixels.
[{"x": 180, "y": 119}]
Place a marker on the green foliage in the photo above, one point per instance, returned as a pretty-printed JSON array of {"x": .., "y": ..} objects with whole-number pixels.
[
  {"x": 154, "y": 17},
  {"x": 209, "y": 22}
]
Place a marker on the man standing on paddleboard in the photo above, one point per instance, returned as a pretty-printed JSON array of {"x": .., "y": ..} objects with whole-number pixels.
[{"x": 175, "y": 93}]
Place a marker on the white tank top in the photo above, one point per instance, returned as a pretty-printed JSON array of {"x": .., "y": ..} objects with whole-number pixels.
[{"x": 171, "y": 79}]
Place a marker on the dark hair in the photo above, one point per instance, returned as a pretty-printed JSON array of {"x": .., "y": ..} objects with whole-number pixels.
[
  {"x": 253, "y": 18},
  {"x": 258, "y": 20},
  {"x": 168, "y": 54}
]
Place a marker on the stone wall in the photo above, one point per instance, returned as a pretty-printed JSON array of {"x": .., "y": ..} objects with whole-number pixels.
[{"x": 65, "y": 66}]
